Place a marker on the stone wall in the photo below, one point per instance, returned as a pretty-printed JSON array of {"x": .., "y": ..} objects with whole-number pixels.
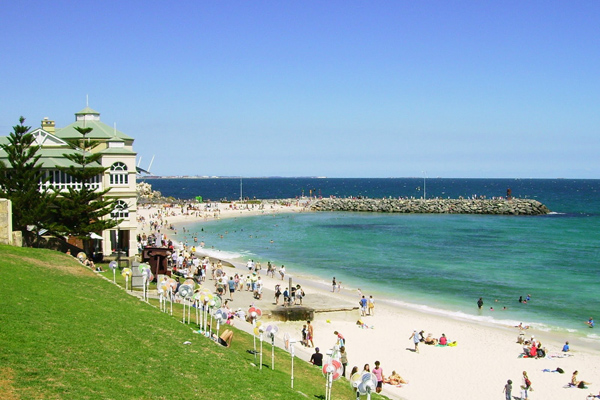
[
  {"x": 434, "y": 206},
  {"x": 5, "y": 221}
]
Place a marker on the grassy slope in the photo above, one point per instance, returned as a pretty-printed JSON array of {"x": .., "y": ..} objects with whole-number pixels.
[{"x": 65, "y": 333}]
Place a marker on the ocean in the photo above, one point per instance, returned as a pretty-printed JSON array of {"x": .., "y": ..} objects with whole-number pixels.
[{"x": 434, "y": 262}]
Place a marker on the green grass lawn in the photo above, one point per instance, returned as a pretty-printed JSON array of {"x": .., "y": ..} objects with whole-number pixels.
[{"x": 66, "y": 333}]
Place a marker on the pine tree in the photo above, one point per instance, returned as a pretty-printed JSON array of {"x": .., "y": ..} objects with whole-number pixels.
[
  {"x": 22, "y": 182},
  {"x": 80, "y": 210}
]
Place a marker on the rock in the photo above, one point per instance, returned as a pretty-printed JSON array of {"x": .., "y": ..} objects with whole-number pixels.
[{"x": 434, "y": 206}]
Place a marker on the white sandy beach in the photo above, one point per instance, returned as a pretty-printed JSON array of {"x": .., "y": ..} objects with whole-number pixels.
[{"x": 477, "y": 368}]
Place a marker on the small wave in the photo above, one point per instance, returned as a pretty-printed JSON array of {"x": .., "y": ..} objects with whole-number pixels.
[
  {"x": 593, "y": 336},
  {"x": 222, "y": 254},
  {"x": 467, "y": 317}
]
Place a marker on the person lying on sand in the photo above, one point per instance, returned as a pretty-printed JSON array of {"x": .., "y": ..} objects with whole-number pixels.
[{"x": 394, "y": 379}]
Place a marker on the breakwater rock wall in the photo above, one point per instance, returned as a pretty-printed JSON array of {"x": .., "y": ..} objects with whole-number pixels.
[{"x": 434, "y": 206}]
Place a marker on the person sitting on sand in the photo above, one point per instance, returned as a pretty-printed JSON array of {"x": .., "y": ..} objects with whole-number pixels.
[
  {"x": 577, "y": 383},
  {"x": 541, "y": 352},
  {"x": 394, "y": 379},
  {"x": 430, "y": 339},
  {"x": 443, "y": 340},
  {"x": 566, "y": 347},
  {"x": 533, "y": 350}
]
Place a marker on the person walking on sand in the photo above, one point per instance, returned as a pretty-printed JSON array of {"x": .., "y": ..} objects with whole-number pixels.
[
  {"x": 416, "y": 337},
  {"x": 231, "y": 284},
  {"x": 277, "y": 294},
  {"x": 334, "y": 284},
  {"x": 371, "y": 306},
  {"x": 310, "y": 335},
  {"x": 525, "y": 386},
  {"x": 508, "y": 390},
  {"x": 282, "y": 272},
  {"x": 363, "y": 306},
  {"x": 304, "y": 335}
]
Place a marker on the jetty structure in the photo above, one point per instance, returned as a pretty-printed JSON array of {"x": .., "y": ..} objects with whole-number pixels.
[{"x": 433, "y": 206}]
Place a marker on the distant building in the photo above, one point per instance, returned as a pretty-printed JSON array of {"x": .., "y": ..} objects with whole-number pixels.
[{"x": 117, "y": 155}]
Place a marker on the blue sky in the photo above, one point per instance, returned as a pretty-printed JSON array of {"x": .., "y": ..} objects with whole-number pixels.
[{"x": 318, "y": 88}]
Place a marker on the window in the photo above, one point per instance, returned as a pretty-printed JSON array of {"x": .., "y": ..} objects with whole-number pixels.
[
  {"x": 60, "y": 181},
  {"x": 118, "y": 174},
  {"x": 121, "y": 210}
]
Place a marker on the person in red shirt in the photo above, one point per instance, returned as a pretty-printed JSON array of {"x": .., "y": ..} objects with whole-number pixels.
[{"x": 443, "y": 340}]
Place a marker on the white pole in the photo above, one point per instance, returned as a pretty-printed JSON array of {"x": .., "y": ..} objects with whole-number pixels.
[
  {"x": 272, "y": 352},
  {"x": 254, "y": 336},
  {"x": 205, "y": 322},
  {"x": 144, "y": 279},
  {"x": 198, "y": 314},
  {"x": 261, "y": 350},
  {"x": 292, "y": 351}
]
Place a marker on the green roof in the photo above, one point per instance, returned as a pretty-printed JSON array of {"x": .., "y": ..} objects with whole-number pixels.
[
  {"x": 87, "y": 110},
  {"x": 53, "y": 157},
  {"x": 100, "y": 131},
  {"x": 117, "y": 150}
]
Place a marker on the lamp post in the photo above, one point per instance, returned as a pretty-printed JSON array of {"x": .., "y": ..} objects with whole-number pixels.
[{"x": 424, "y": 185}]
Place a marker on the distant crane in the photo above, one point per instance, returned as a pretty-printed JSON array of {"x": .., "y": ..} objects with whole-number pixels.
[{"x": 145, "y": 171}]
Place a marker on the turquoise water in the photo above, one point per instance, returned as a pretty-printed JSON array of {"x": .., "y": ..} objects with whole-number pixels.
[{"x": 444, "y": 263}]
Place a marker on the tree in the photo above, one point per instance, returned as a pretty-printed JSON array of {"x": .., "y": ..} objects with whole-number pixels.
[
  {"x": 22, "y": 182},
  {"x": 80, "y": 210}
]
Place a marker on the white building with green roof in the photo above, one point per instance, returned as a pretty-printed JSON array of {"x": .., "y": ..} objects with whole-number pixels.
[{"x": 117, "y": 155}]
